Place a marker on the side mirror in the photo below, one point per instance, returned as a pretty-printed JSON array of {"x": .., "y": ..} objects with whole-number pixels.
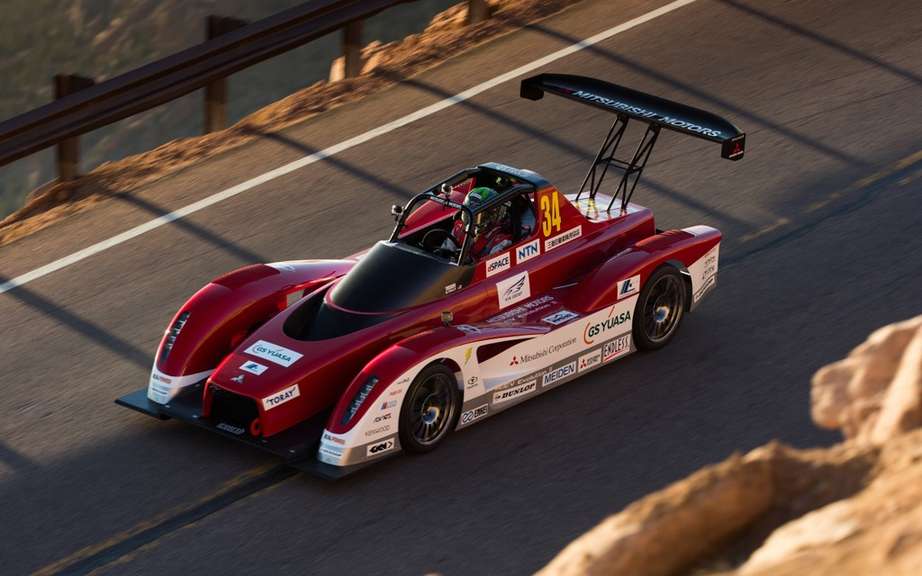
[
  {"x": 396, "y": 211},
  {"x": 446, "y": 189},
  {"x": 447, "y": 317}
]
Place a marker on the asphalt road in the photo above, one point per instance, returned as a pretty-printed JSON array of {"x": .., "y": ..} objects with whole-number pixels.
[{"x": 822, "y": 244}]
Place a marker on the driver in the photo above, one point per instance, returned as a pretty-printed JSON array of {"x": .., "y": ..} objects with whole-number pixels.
[{"x": 491, "y": 227}]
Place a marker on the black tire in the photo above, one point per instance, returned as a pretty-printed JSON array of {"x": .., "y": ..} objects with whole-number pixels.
[
  {"x": 430, "y": 409},
  {"x": 660, "y": 309}
]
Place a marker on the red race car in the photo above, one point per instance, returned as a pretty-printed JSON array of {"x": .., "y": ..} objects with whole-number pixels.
[{"x": 494, "y": 287}]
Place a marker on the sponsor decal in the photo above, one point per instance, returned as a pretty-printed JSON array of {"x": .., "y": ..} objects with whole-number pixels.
[
  {"x": 380, "y": 447},
  {"x": 468, "y": 329},
  {"x": 528, "y": 251},
  {"x": 644, "y": 113},
  {"x": 512, "y": 290},
  {"x": 526, "y": 308},
  {"x": 235, "y": 430},
  {"x": 161, "y": 378},
  {"x": 383, "y": 417},
  {"x": 563, "y": 238},
  {"x": 388, "y": 404},
  {"x": 273, "y": 353},
  {"x": 704, "y": 273},
  {"x": 451, "y": 288},
  {"x": 588, "y": 361},
  {"x": 594, "y": 329},
  {"x": 475, "y": 414},
  {"x": 331, "y": 438},
  {"x": 560, "y": 317},
  {"x": 253, "y": 367},
  {"x": 467, "y": 354},
  {"x": 330, "y": 454},
  {"x": 332, "y": 450},
  {"x": 514, "y": 392},
  {"x": 238, "y": 379},
  {"x": 549, "y": 349},
  {"x": 617, "y": 347},
  {"x": 378, "y": 431},
  {"x": 279, "y": 398},
  {"x": 559, "y": 373},
  {"x": 629, "y": 287},
  {"x": 499, "y": 264},
  {"x": 472, "y": 382}
]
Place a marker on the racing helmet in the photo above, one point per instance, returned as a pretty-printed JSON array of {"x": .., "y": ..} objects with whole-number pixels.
[{"x": 477, "y": 198}]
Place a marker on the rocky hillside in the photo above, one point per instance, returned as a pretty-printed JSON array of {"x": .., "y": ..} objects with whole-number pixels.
[{"x": 852, "y": 509}]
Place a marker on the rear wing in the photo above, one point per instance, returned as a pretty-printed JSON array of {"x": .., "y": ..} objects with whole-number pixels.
[
  {"x": 636, "y": 105},
  {"x": 627, "y": 105}
]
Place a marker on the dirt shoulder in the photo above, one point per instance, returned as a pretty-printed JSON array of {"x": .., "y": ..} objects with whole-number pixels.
[{"x": 448, "y": 35}]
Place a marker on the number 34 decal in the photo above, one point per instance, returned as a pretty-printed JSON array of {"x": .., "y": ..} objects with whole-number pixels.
[{"x": 550, "y": 207}]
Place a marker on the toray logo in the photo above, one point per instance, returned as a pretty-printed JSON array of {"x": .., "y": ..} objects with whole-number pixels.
[
  {"x": 281, "y": 397},
  {"x": 528, "y": 251},
  {"x": 594, "y": 329}
]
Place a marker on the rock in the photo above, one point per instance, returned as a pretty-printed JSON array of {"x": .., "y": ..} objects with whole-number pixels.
[
  {"x": 670, "y": 529},
  {"x": 876, "y": 392},
  {"x": 850, "y": 509}
]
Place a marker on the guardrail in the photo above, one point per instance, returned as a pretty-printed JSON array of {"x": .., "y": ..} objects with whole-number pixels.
[{"x": 81, "y": 105}]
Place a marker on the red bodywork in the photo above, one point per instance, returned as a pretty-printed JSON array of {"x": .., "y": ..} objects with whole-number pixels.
[{"x": 243, "y": 307}]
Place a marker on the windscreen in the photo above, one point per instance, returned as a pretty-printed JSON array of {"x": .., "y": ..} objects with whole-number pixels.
[{"x": 393, "y": 276}]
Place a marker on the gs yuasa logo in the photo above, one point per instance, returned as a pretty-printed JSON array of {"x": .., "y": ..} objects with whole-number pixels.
[
  {"x": 594, "y": 329},
  {"x": 273, "y": 353}
]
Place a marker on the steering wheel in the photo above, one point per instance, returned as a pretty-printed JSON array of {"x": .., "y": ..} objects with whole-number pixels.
[{"x": 433, "y": 239}]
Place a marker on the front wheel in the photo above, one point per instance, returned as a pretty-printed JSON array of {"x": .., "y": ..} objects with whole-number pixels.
[
  {"x": 660, "y": 309},
  {"x": 430, "y": 409}
]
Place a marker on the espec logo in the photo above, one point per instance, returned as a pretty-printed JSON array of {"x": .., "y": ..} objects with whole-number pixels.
[
  {"x": 380, "y": 447},
  {"x": 499, "y": 264},
  {"x": 594, "y": 329}
]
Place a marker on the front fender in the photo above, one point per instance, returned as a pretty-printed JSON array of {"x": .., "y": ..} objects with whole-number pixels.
[
  {"x": 388, "y": 375},
  {"x": 224, "y": 312}
]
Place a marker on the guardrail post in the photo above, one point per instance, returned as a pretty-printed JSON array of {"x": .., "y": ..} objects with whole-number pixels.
[
  {"x": 477, "y": 11},
  {"x": 68, "y": 150},
  {"x": 352, "y": 49},
  {"x": 216, "y": 90}
]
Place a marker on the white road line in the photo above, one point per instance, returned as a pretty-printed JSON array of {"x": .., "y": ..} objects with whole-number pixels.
[{"x": 335, "y": 149}]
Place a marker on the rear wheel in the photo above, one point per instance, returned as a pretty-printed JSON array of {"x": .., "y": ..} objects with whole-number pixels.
[
  {"x": 430, "y": 409},
  {"x": 660, "y": 309}
]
